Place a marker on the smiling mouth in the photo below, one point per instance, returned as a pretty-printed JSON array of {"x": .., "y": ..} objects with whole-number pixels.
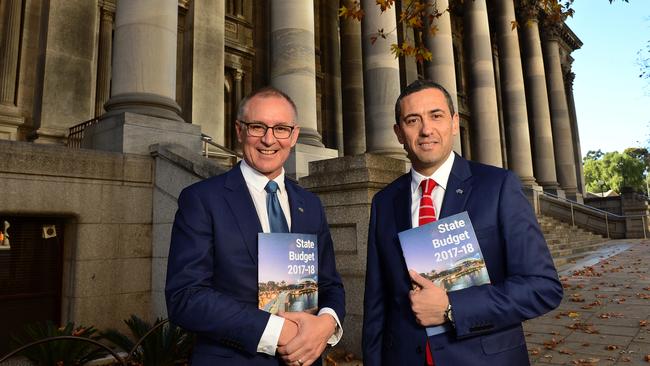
[{"x": 267, "y": 152}]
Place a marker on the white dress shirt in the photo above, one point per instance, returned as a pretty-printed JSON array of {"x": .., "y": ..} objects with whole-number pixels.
[
  {"x": 441, "y": 176},
  {"x": 256, "y": 181}
]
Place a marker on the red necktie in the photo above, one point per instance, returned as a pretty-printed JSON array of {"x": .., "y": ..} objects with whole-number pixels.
[{"x": 427, "y": 214}]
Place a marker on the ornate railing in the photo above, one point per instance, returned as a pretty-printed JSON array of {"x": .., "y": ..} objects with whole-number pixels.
[{"x": 76, "y": 133}]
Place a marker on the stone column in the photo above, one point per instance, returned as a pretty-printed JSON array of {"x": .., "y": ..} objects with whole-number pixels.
[
  {"x": 520, "y": 158},
  {"x": 381, "y": 80},
  {"x": 441, "y": 68},
  {"x": 104, "y": 59},
  {"x": 144, "y": 59},
  {"x": 142, "y": 110},
  {"x": 10, "y": 119},
  {"x": 569, "y": 76},
  {"x": 354, "y": 133},
  {"x": 560, "y": 121},
  {"x": 330, "y": 61},
  {"x": 486, "y": 141},
  {"x": 293, "y": 61},
  {"x": 66, "y": 62},
  {"x": 206, "y": 67},
  {"x": 9, "y": 50},
  {"x": 293, "y": 70},
  {"x": 539, "y": 115}
]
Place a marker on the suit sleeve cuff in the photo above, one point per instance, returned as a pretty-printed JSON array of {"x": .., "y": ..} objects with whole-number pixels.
[
  {"x": 338, "y": 333},
  {"x": 269, "y": 340}
]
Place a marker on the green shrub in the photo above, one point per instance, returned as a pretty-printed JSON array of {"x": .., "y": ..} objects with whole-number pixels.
[
  {"x": 166, "y": 346},
  {"x": 59, "y": 352}
]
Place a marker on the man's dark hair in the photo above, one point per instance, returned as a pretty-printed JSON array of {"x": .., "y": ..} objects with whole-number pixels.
[
  {"x": 417, "y": 86},
  {"x": 267, "y": 91}
]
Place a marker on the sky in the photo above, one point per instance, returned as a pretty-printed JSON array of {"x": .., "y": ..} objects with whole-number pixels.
[{"x": 612, "y": 102}]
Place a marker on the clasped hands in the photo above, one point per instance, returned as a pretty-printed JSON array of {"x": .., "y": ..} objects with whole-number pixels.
[
  {"x": 304, "y": 337},
  {"x": 428, "y": 301}
]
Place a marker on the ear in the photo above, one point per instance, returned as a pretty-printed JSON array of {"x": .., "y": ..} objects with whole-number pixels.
[
  {"x": 399, "y": 133},
  {"x": 238, "y": 128},
  {"x": 455, "y": 124},
  {"x": 294, "y": 136}
]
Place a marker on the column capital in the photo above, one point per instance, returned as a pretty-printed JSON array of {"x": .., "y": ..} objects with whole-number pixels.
[
  {"x": 569, "y": 77},
  {"x": 528, "y": 10},
  {"x": 107, "y": 6},
  {"x": 551, "y": 32},
  {"x": 238, "y": 74}
]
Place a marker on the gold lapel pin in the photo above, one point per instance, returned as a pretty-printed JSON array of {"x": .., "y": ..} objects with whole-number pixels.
[
  {"x": 459, "y": 191},
  {"x": 301, "y": 209}
]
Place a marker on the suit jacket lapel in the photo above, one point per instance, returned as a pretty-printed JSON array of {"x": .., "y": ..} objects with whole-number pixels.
[
  {"x": 297, "y": 207},
  {"x": 243, "y": 209},
  {"x": 459, "y": 188},
  {"x": 402, "y": 203}
]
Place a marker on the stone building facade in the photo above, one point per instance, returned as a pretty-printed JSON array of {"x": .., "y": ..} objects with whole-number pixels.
[{"x": 156, "y": 71}]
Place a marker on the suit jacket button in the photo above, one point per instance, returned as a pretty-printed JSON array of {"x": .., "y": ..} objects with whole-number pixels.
[{"x": 418, "y": 349}]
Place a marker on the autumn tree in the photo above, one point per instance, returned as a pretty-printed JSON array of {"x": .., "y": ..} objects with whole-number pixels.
[{"x": 419, "y": 16}]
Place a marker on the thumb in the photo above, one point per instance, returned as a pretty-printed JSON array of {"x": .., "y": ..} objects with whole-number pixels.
[{"x": 419, "y": 280}]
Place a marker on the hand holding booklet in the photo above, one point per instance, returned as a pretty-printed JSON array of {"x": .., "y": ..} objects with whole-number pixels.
[
  {"x": 287, "y": 272},
  {"x": 447, "y": 253}
]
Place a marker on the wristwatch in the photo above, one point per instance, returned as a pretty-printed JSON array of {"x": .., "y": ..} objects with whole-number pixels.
[{"x": 448, "y": 315}]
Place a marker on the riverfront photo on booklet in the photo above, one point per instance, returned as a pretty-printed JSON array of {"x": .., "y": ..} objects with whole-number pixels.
[{"x": 446, "y": 252}]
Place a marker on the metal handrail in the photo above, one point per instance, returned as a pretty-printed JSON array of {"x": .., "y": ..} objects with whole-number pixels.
[
  {"x": 225, "y": 152},
  {"x": 607, "y": 214},
  {"x": 122, "y": 361},
  {"x": 70, "y": 338}
]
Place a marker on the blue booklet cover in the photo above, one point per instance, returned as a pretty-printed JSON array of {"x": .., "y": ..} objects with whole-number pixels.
[
  {"x": 287, "y": 272},
  {"x": 446, "y": 252}
]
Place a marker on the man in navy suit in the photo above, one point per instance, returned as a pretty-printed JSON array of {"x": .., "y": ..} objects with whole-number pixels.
[
  {"x": 212, "y": 286},
  {"x": 407, "y": 319}
]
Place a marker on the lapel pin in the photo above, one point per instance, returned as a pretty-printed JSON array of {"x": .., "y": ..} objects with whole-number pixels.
[
  {"x": 459, "y": 191},
  {"x": 301, "y": 209}
]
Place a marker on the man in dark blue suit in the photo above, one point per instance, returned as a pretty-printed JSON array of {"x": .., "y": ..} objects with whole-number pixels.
[
  {"x": 407, "y": 319},
  {"x": 212, "y": 286}
]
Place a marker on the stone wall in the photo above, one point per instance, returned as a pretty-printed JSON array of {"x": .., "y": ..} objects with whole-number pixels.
[{"x": 106, "y": 201}]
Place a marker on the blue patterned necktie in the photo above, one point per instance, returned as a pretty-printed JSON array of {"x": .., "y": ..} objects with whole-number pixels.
[{"x": 277, "y": 221}]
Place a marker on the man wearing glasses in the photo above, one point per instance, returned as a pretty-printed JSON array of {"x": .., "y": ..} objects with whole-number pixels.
[{"x": 212, "y": 286}]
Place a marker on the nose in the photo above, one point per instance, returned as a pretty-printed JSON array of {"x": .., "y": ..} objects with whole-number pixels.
[
  {"x": 268, "y": 138},
  {"x": 427, "y": 127}
]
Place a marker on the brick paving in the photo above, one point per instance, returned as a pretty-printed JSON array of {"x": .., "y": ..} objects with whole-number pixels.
[{"x": 604, "y": 318}]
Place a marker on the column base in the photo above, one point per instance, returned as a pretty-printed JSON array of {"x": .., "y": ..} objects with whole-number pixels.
[
  {"x": 309, "y": 136},
  {"x": 46, "y": 135},
  {"x": 10, "y": 122},
  {"x": 134, "y": 133},
  {"x": 297, "y": 165},
  {"x": 573, "y": 195},
  {"x": 146, "y": 104}
]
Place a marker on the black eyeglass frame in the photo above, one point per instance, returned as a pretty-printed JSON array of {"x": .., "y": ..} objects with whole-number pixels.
[{"x": 266, "y": 128}]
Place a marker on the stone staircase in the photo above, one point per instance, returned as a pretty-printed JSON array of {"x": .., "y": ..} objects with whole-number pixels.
[{"x": 568, "y": 243}]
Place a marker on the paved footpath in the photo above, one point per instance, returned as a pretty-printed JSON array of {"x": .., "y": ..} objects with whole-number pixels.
[{"x": 604, "y": 318}]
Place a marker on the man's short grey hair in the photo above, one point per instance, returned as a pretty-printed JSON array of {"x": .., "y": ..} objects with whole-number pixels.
[{"x": 265, "y": 92}]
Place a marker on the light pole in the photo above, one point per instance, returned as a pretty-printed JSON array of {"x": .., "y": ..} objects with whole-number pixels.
[{"x": 601, "y": 184}]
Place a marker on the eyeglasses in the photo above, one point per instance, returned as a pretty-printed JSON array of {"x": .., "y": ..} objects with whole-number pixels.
[{"x": 258, "y": 129}]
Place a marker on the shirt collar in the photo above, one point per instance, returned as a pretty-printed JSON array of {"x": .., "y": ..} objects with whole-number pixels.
[
  {"x": 441, "y": 175},
  {"x": 257, "y": 180}
]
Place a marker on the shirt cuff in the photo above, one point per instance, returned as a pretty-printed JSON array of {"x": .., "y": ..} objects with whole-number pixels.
[
  {"x": 269, "y": 340},
  {"x": 338, "y": 333}
]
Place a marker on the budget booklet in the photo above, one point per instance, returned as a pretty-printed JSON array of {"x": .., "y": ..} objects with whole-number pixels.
[
  {"x": 447, "y": 253},
  {"x": 287, "y": 272}
]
